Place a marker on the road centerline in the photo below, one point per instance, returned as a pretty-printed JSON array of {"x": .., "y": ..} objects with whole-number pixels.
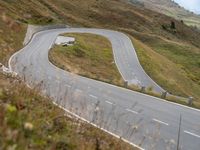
[
  {"x": 161, "y": 122},
  {"x": 109, "y": 102},
  {"x": 93, "y": 96},
  {"x": 132, "y": 111},
  {"x": 191, "y": 133}
]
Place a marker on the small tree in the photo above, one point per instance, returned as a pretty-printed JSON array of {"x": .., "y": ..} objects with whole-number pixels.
[
  {"x": 173, "y": 25},
  {"x": 182, "y": 21}
]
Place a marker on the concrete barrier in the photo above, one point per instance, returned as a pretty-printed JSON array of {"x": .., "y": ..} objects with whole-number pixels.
[
  {"x": 32, "y": 29},
  {"x": 143, "y": 89},
  {"x": 190, "y": 101}
]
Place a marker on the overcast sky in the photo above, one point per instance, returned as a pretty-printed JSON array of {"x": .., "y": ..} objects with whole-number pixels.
[{"x": 192, "y": 5}]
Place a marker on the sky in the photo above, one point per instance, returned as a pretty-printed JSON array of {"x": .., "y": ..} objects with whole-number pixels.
[{"x": 192, "y": 5}]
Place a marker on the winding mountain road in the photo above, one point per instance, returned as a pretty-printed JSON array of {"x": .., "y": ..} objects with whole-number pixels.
[{"x": 144, "y": 120}]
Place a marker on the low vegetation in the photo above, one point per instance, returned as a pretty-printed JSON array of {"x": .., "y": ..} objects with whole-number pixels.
[
  {"x": 30, "y": 121},
  {"x": 174, "y": 66},
  {"x": 11, "y": 37},
  {"x": 90, "y": 56}
]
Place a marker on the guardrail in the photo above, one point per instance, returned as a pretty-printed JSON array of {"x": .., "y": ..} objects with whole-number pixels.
[{"x": 187, "y": 101}]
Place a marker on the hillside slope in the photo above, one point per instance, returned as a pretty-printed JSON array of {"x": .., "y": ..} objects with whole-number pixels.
[
  {"x": 30, "y": 121},
  {"x": 172, "y": 9},
  {"x": 171, "y": 54}
]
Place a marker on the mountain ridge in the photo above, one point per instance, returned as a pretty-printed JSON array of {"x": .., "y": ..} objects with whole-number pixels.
[{"x": 172, "y": 9}]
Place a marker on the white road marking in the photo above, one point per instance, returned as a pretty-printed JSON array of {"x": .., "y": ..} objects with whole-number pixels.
[
  {"x": 109, "y": 102},
  {"x": 132, "y": 111},
  {"x": 161, "y": 122},
  {"x": 105, "y": 130},
  {"x": 193, "y": 134},
  {"x": 66, "y": 85},
  {"x": 93, "y": 96},
  {"x": 78, "y": 90}
]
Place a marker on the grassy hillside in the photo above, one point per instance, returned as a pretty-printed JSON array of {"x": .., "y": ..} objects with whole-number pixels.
[
  {"x": 174, "y": 65},
  {"x": 11, "y": 37},
  {"x": 172, "y": 9},
  {"x": 176, "y": 45},
  {"x": 29, "y": 121}
]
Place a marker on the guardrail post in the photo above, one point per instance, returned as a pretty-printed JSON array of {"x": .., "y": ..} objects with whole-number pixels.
[
  {"x": 179, "y": 133},
  {"x": 143, "y": 88},
  {"x": 164, "y": 94},
  {"x": 190, "y": 101},
  {"x": 126, "y": 84}
]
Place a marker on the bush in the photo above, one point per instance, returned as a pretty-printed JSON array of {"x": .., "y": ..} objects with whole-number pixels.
[{"x": 173, "y": 25}]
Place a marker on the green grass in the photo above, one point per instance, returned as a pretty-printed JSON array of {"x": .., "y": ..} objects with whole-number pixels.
[
  {"x": 182, "y": 55},
  {"x": 173, "y": 66}
]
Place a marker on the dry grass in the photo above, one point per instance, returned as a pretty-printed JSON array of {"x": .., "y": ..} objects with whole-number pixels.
[
  {"x": 91, "y": 56},
  {"x": 11, "y": 37},
  {"x": 30, "y": 121}
]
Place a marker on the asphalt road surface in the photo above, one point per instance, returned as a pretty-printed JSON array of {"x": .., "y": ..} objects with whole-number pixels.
[{"x": 147, "y": 121}]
